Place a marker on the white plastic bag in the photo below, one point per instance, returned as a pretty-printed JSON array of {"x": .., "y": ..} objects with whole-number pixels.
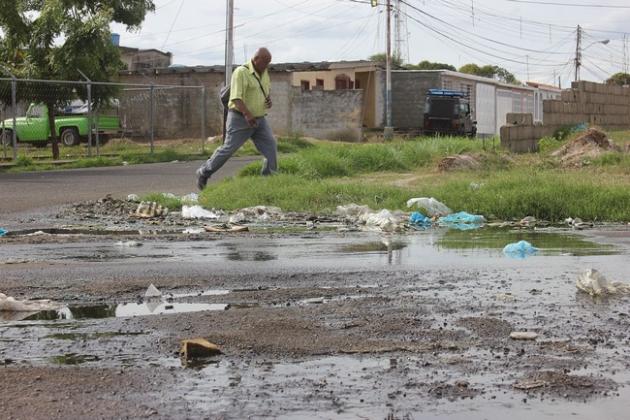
[
  {"x": 596, "y": 284},
  {"x": 430, "y": 205},
  {"x": 197, "y": 212},
  {"x": 352, "y": 210}
]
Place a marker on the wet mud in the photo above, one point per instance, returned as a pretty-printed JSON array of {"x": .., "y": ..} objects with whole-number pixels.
[{"x": 314, "y": 323}]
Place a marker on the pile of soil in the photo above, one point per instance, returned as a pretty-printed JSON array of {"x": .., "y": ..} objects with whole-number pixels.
[
  {"x": 106, "y": 206},
  {"x": 589, "y": 145},
  {"x": 459, "y": 162}
]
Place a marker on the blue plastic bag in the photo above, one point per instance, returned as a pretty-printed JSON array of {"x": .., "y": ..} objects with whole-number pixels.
[
  {"x": 418, "y": 219},
  {"x": 3, "y": 232},
  {"x": 520, "y": 250},
  {"x": 462, "y": 221}
]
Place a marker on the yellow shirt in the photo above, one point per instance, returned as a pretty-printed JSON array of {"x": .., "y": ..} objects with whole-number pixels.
[{"x": 245, "y": 87}]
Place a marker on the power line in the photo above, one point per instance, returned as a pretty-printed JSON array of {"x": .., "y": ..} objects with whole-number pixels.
[
  {"x": 546, "y": 3},
  {"x": 168, "y": 35}
]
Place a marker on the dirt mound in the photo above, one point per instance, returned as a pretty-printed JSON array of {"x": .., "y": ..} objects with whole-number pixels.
[
  {"x": 106, "y": 206},
  {"x": 589, "y": 145},
  {"x": 459, "y": 162}
]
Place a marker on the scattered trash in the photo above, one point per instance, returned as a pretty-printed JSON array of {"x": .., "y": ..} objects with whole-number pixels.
[
  {"x": 594, "y": 283},
  {"x": 38, "y": 233},
  {"x": 577, "y": 223},
  {"x": 129, "y": 244},
  {"x": 523, "y": 335},
  {"x": 149, "y": 209},
  {"x": 198, "y": 347},
  {"x": 152, "y": 292},
  {"x": 169, "y": 195},
  {"x": 230, "y": 228},
  {"x": 418, "y": 219},
  {"x": 192, "y": 198},
  {"x": 589, "y": 145},
  {"x": 520, "y": 250},
  {"x": 475, "y": 186},
  {"x": 10, "y": 304},
  {"x": 352, "y": 210},
  {"x": 193, "y": 231},
  {"x": 197, "y": 212},
  {"x": 384, "y": 221},
  {"x": 462, "y": 221},
  {"x": 527, "y": 221},
  {"x": 458, "y": 162},
  {"x": 505, "y": 297},
  {"x": 133, "y": 198},
  {"x": 257, "y": 214},
  {"x": 3, "y": 232},
  {"x": 529, "y": 384},
  {"x": 431, "y": 205}
]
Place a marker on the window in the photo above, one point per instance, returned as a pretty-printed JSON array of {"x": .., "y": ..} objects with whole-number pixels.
[
  {"x": 357, "y": 84},
  {"x": 305, "y": 85},
  {"x": 351, "y": 85},
  {"x": 319, "y": 83},
  {"x": 342, "y": 81}
]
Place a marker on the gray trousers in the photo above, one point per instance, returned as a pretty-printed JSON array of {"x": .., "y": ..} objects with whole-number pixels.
[{"x": 238, "y": 132}]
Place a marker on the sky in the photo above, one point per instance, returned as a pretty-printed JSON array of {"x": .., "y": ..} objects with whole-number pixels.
[{"x": 534, "y": 41}]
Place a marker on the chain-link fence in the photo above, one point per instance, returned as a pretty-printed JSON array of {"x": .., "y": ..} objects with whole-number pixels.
[{"x": 94, "y": 119}]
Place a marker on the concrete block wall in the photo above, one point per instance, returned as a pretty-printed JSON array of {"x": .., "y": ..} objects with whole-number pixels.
[
  {"x": 409, "y": 95},
  {"x": 594, "y": 104},
  {"x": 327, "y": 114}
]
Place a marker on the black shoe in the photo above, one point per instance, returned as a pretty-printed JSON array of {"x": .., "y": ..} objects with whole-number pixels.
[{"x": 202, "y": 179}]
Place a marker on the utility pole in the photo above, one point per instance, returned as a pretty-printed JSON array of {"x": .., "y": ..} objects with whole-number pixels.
[
  {"x": 229, "y": 40},
  {"x": 389, "y": 130},
  {"x": 578, "y": 53},
  {"x": 527, "y": 58},
  {"x": 625, "y": 53}
]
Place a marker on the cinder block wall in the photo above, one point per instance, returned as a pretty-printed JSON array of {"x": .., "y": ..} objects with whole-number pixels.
[
  {"x": 408, "y": 96},
  {"x": 594, "y": 104},
  {"x": 327, "y": 114}
]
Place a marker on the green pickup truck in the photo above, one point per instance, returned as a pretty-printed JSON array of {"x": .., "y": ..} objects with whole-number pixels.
[{"x": 71, "y": 126}]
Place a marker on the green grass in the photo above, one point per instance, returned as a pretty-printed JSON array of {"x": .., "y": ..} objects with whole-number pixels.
[
  {"x": 339, "y": 160},
  {"x": 546, "y": 195},
  {"x": 172, "y": 203}
]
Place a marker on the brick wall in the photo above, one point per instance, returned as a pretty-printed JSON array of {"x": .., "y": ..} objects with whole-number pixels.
[{"x": 408, "y": 97}]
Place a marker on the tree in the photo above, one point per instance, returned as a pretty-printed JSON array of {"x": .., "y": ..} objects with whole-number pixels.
[
  {"x": 619, "y": 79},
  {"x": 429, "y": 65},
  {"x": 54, "y": 39},
  {"x": 382, "y": 58},
  {"x": 492, "y": 72}
]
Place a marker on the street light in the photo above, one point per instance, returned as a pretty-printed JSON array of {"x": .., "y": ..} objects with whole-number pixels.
[{"x": 579, "y": 49}]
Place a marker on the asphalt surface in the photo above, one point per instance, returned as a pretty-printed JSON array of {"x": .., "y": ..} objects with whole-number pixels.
[{"x": 38, "y": 190}]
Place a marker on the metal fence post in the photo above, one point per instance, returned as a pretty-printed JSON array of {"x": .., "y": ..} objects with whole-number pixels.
[
  {"x": 98, "y": 140},
  {"x": 14, "y": 105},
  {"x": 151, "y": 129},
  {"x": 90, "y": 120},
  {"x": 204, "y": 112}
]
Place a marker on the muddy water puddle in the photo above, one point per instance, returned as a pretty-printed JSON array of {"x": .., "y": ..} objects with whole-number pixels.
[{"x": 433, "y": 248}]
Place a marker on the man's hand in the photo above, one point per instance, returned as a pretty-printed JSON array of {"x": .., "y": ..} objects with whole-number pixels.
[
  {"x": 268, "y": 102},
  {"x": 251, "y": 120}
]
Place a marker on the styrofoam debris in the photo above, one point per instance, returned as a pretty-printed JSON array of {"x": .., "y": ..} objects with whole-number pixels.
[{"x": 595, "y": 283}]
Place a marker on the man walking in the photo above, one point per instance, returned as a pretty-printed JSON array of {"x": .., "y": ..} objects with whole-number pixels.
[{"x": 249, "y": 101}]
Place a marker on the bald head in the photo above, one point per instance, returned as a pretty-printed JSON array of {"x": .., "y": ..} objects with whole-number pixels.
[{"x": 261, "y": 59}]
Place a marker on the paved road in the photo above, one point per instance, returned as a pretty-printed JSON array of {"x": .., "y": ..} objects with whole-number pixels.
[{"x": 39, "y": 190}]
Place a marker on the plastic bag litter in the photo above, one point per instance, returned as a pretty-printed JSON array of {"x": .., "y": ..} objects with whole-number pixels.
[
  {"x": 152, "y": 292},
  {"x": 384, "y": 221},
  {"x": 520, "y": 250},
  {"x": 462, "y": 221},
  {"x": 128, "y": 244},
  {"x": 10, "y": 304},
  {"x": 352, "y": 210},
  {"x": 134, "y": 198},
  {"x": 257, "y": 214},
  {"x": 595, "y": 283},
  {"x": 431, "y": 205},
  {"x": 197, "y": 212},
  {"x": 3, "y": 232},
  {"x": 169, "y": 195},
  {"x": 418, "y": 219},
  {"x": 192, "y": 198}
]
